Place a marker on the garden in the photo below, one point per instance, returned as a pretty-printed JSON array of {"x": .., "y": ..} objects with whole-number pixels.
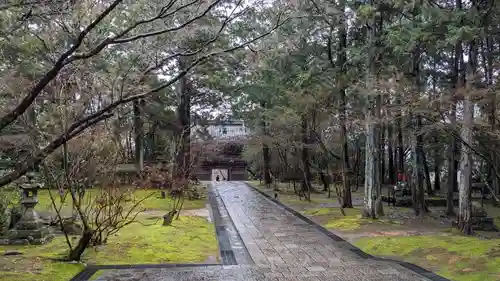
[
  {"x": 190, "y": 238},
  {"x": 55, "y": 221}
]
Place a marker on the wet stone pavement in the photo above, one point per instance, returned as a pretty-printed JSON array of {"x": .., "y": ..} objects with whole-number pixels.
[{"x": 282, "y": 248}]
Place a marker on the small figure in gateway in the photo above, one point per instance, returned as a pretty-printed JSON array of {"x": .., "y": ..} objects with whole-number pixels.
[{"x": 217, "y": 178}]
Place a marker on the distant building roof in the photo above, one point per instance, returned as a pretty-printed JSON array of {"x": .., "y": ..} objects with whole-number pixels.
[{"x": 223, "y": 122}]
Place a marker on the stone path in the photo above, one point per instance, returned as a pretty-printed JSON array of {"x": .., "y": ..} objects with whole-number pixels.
[{"x": 282, "y": 246}]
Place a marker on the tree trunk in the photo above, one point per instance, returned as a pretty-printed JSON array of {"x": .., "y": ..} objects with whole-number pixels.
[
  {"x": 306, "y": 181},
  {"x": 379, "y": 166},
  {"x": 466, "y": 134},
  {"x": 382, "y": 152},
  {"x": 324, "y": 180},
  {"x": 493, "y": 100},
  {"x": 399, "y": 138},
  {"x": 138, "y": 106},
  {"x": 417, "y": 140},
  {"x": 422, "y": 209},
  {"x": 453, "y": 148},
  {"x": 427, "y": 176},
  {"x": 83, "y": 243},
  {"x": 390, "y": 151},
  {"x": 266, "y": 154},
  {"x": 436, "y": 151},
  {"x": 183, "y": 155},
  {"x": 437, "y": 163},
  {"x": 437, "y": 175},
  {"x": 464, "y": 189},
  {"x": 341, "y": 61},
  {"x": 370, "y": 173},
  {"x": 371, "y": 149}
]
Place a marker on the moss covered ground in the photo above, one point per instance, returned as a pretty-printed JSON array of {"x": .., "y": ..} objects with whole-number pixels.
[
  {"x": 150, "y": 200},
  {"x": 329, "y": 217},
  {"x": 191, "y": 239},
  {"x": 287, "y": 195},
  {"x": 455, "y": 257}
]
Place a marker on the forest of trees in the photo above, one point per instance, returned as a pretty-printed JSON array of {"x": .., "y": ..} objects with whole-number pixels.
[
  {"x": 360, "y": 89},
  {"x": 122, "y": 73},
  {"x": 370, "y": 89}
]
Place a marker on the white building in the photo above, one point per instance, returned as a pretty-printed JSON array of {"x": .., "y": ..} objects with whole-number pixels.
[{"x": 224, "y": 129}]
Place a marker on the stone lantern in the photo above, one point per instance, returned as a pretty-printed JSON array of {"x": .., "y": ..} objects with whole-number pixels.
[{"x": 30, "y": 229}]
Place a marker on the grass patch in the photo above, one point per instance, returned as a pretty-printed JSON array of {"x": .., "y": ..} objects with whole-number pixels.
[
  {"x": 36, "y": 266},
  {"x": 188, "y": 240},
  {"x": 287, "y": 195},
  {"x": 97, "y": 274},
  {"x": 329, "y": 217},
  {"x": 332, "y": 218},
  {"x": 455, "y": 257},
  {"x": 153, "y": 202}
]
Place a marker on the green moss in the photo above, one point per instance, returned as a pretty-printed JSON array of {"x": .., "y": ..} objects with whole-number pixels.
[
  {"x": 31, "y": 267},
  {"x": 455, "y": 257},
  {"x": 288, "y": 196},
  {"x": 347, "y": 223},
  {"x": 332, "y": 211},
  {"x": 332, "y": 218},
  {"x": 97, "y": 274},
  {"x": 152, "y": 201},
  {"x": 187, "y": 240}
]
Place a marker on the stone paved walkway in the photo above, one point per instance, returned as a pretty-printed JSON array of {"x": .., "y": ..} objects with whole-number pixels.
[{"x": 283, "y": 247}]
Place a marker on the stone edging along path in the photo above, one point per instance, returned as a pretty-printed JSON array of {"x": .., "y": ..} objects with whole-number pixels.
[
  {"x": 229, "y": 250},
  {"x": 415, "y": 268}
]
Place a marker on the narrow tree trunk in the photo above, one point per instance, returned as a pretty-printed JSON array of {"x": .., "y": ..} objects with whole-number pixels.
[
  {"x": 379, "y": 144},
  {"x": 453, "y": 148},
  {"x": 464, "y": 189},
  {"x": 183, "y": 155},
  {"x": 371, "y": 149},
  {"x": 83, "y": 243},
  {"x": 420, "y": 164},
  {"x": 466, "y": 134},
  {"x": 417, "y": 139},
  {"x": 436, "y": 154},
  {"x": 382, "y": 152},
  {"x": 493, "y": 106},
  {"x": 427, "y": 175},
  {"x": 452, "y": 168},
  {"x": 370, "y": 166},
  {"x": 390, "y": 151},
  {"x": 324, "y": 181},
  {"x": 306, "y": 181},
  {"x": 399, "y": 138},
  {"x": 437, "y": 169},
  {"x": 266, "y": 154},
  {"x": 138, "y": 134},
  {"x": 341, "y": 61}
]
